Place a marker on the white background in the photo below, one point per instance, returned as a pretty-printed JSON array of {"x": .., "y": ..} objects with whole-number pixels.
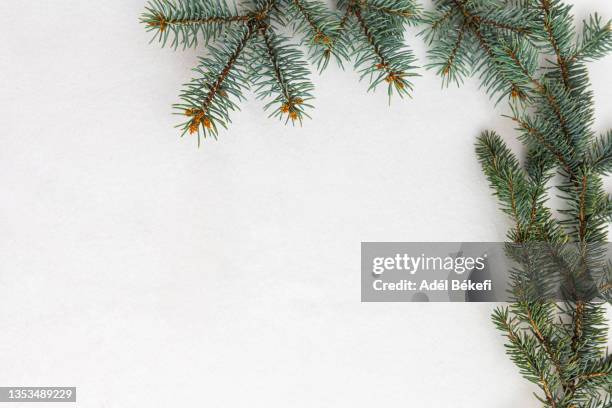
[{"x": 150, "y": 273}]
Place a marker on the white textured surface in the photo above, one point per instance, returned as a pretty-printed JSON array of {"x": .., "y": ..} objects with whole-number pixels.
[{"x": 149, "y": 273}]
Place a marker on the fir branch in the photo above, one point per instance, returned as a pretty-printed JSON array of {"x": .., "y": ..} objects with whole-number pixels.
[
  {"x": 279, "y": 70},
  {"x": 596, "y": 41},
  {"x": 342, "y": 33},
  {"x": 480, "y": 27},
  {"x": 505, "y": 177},
  {"x": 555, "y": 35},
  {"x": 523, "y": 351},
  {"x": 539, "y": 317},
  {"x": 600, "y": 155},
  {"x": 501, "y": 25},
  {"x": 436, "y": 21},
  {"x": 382, "y": 57},
  {"x": 554, "y": 120},
  {"x": 318, "y": 28},
  {"x": 519, "y": 61},
  {"x": 543, "y": 139},
  {"x": 577, "y": 319},
  {"x": 185, "y": 20},
  {"x": 407, "y": 10},
  {"x": 206, "y": 101},
  {"x": 598, "y": 374},
  {"x": 453, "y": 65}
]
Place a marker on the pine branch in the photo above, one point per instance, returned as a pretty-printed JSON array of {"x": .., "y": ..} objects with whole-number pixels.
[
  {"x": 375, "y": 30},
  {"x": 397, "y": 14},
  {"x": 382, "y": 57},
  {"x": 598, "y": 374},
  {"x": 407, "y": 10},
  {"x": 539, "y": 316},
  {"x": 557, "y": 25},
  {"x": 524, "y": 352},
  {"x": 451, "y": 64},
  {"x": 506, "y": 178},
  {"x": 458, "y": 22},
  {"x": 437, "y": 22},
  {"x": 318, "y": 27},
  {"x": 184, "y": 21},
  {"x": 554, "y": 117},
  {"x": 206, "y": 100},
  {"x": 538, "y": 134},
  {"x": 279, "y": 71},
  {"x": 600, "y": 155},
  {"x": 374, "y": 27},
  {"x": 596, "y": 41}
]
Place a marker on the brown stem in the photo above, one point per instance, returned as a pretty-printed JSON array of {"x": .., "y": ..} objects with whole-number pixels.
[
  {"x": 474, "y": 25},
  {"x": 497, "y": 24},
  {"x": 311, "y": 22},
  {"x": 274, "y": 61},
  {"x": 392, "y": 12},
  {"x": 455, "y": 49},
  {"x": 162, "y": 22},
  {"x": 550, "y": 98},
  {"x": 514, "y": 338},
  {"x": 216, "y": 86},
  {"x": 514, "y": 207},
  {"x": 546, "y": 344},
  {"x": 582, "y": 211},
  {"x": 532, "y": 131},
  {"x": 539, "y": 87},
  {"x": 547, "y": 392},
  {"x": 577, "y": 326},
  {"x": 344, "y": 19},
  {"x": 444, "y": 17},
  {"x": 534, "y": 209},
  {"x": 555, "y": 45},
  {"x": 370, "y": 38},
  {"x": 251, "y": 29}
]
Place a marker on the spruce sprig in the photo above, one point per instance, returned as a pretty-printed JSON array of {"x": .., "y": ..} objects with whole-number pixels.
[
  {"x": 375, "y": 29},
  {"x": 464, "y": 40},
  {"x": 319, "y": 29},
  {"x": 245, "y": 49},
  {"x": 537, "y": 64},
  {"x": 279, "y": 71},
  {"x": 183, "y": 23}
]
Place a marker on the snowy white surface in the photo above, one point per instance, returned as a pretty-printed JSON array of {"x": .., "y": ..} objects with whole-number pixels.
[{"x": 150, "y": 273}]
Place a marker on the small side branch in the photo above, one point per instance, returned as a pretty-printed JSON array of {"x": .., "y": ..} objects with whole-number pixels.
[
  {"x": 371, "y": 40},
  {"x": 161, "y": 22},
  {"x": 561, "y": 62}
]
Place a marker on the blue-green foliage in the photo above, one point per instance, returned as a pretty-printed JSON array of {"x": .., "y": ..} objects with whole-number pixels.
[
  {"x": 245, "y": 49},
  {"x": 529, "y": 53},
  {"x": 375, "y": 29}
]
